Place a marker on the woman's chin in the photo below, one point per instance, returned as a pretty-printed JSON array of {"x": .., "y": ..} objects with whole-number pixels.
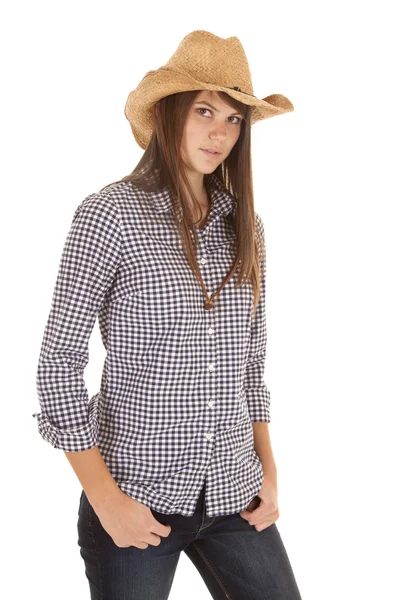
[{"x": 206, "y": 169}]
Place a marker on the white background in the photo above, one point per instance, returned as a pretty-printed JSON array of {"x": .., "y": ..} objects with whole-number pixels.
[{"x": 327, "y": 186}]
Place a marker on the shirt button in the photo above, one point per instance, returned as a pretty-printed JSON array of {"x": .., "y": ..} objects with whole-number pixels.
[
  {"x": 211, "y": 403},
  {"x": 210, "y": 331},
  {"x": 210, "y": 366},
  {"x": 208, "y": 435},
  {"x": 203, "y": 261}
]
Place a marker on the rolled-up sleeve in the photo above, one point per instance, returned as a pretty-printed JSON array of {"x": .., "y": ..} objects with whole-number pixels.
[
  {"x": 257, "y": 393},
  {"x": 88, "y": 265}
]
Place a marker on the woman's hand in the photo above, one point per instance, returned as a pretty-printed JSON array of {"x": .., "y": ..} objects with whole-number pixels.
[
  {"x": 267, "y": 511},
  {"x": 131, "y": 523}
]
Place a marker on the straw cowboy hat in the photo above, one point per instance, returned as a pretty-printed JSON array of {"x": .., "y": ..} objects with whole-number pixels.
[{"x": 202, "y": 61}]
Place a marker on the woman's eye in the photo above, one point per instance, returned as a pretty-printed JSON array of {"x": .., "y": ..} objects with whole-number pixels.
[
  {"x": 204, "y": 109},
  {"x": 239, "y": 120}
]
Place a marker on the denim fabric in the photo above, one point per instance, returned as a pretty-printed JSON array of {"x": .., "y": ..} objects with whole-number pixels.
[{"x": 234, "y": 559}]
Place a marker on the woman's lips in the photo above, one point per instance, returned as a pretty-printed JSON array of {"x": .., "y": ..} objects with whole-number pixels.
[{"x": 210, "y": 154}]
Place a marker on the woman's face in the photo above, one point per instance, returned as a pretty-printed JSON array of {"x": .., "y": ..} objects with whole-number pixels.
[{"x": 216, "y": 126}]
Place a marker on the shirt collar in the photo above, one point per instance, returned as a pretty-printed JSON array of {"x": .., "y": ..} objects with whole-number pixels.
[{"x": 222, "y": 201}]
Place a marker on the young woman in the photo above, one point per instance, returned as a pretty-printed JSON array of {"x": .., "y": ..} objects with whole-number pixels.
[{"x": 173, "y": 452}]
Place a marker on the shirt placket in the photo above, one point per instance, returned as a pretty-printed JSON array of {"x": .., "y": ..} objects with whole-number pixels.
[{"x": 210, "y": 355}]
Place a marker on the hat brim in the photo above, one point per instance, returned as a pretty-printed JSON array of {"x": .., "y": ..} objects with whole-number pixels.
[{"x": 166, "y": 81}]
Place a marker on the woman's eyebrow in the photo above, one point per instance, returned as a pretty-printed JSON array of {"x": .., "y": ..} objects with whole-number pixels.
[{"x": 211, "y": 106}]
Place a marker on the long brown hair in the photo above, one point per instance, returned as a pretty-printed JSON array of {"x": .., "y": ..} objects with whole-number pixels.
[{"x": 161, "y": 166}]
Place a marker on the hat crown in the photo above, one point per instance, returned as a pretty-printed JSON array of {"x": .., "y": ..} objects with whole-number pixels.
[{"x": 209, "y": 58}]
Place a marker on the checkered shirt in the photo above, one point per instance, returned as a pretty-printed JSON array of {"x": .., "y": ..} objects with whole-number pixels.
[{"x": 181, "y": 385}]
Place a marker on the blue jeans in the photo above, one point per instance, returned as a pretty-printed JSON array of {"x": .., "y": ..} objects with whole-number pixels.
[{"x": 234, "y": 559}]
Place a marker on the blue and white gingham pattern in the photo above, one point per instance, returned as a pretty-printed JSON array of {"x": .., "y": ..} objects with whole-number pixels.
[{"x": 181, "y": 385}]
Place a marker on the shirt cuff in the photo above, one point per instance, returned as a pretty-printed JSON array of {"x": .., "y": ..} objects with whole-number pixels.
[
  {"x": 73, "y": 439},
  {"x": 258, "y": 402}
]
